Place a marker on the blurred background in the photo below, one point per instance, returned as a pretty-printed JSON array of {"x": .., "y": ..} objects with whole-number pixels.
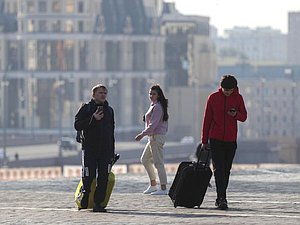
[{"x": 53, "y": 51}]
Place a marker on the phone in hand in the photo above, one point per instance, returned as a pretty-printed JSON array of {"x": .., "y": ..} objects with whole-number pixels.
[
  {"x": 99, "y": 109},
  {"x": 232, "y": 110}
]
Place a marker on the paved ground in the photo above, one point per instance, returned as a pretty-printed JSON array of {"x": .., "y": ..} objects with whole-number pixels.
[{"x": 258, "y": 196}]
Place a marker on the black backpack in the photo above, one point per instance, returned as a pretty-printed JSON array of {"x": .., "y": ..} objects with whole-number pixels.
[{"x": 79, "y": 135}]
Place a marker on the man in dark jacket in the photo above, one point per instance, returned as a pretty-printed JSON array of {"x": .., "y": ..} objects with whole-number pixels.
[
  {"x": 223, "y": 109},
  {"x": 96, "y": 121}
]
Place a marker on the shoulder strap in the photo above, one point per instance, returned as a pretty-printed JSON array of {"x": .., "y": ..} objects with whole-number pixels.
[{"x": 88, "y": 107}]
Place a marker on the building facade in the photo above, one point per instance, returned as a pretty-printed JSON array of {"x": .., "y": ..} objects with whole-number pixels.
[
  {"x": 62, "y": 48},
  {"x": 262, "y": 45},
  {"x": 190, "y": 63},
  {"x": 52, "y": 52},
  {"x": 294, "y": 38}
]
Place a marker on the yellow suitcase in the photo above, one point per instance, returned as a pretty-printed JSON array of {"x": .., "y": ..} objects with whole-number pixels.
[{"x": 79, "y": 194}]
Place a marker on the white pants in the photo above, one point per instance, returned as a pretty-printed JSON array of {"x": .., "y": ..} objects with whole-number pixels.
[{"x": 153, "y": 152}]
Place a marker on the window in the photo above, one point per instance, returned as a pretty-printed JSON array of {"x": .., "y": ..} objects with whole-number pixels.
[
  {"x": 31, "y": 46},
  {"x": 113, "y": 60},
  {"x": 42, "y": 55},
  {"x": 83, "y": 55},
  {"x": 284, "y": 133},
  {"x": 22, "y": 122},
  {"x": 69, "y": 26},
  {"x": 139, "y": 56},
  {"x": 12, "y": 55},
  {"x": 56, "y": 26},
  {"x": 70, "y": 6},
  {"x": 284, "y": 119},
  {"x": 30, "y": 6},
  {"x": 80, "y": 7},
  {"x": 80, "y": 27},
  {"x": 56, "y": 6},
  {"x": 42, "y": 6},
  {"x": 56, "y": 58},
  {"x": 69, "y": 46},
  {"x": 42, "y": 26},
  {"x": 14, "y": 8},
  {"x": 30, "y": 26},
  {"x": 284, "y": 91}
]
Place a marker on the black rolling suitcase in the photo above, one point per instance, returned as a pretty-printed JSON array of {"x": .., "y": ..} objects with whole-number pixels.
[{"x": 191, "y": 182}]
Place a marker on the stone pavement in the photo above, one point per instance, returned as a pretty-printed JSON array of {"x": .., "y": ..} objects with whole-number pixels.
[{"x": 269, "y": 195}]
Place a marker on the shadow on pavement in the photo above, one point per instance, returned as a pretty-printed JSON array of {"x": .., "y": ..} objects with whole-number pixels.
[{"x": 180, "y": 214}]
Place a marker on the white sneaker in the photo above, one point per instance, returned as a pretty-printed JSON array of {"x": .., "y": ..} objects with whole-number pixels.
[
  {"x": 160, "y": 192},
  {"x": 150, "y": 189}
]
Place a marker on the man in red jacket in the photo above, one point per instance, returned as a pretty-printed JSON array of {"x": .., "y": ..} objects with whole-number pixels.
[{"x": 223, "y": 109}]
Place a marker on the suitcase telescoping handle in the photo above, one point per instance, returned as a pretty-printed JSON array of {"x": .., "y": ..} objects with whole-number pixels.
[{"x": 199, "y": 152}]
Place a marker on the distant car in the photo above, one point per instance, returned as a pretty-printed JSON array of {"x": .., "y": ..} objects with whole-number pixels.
[
  {"x": 187, "y": 140},
  {"x": 67, "y": 143}
]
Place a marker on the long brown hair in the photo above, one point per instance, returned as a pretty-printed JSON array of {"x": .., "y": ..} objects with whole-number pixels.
[{"x": 163, "y": 101}]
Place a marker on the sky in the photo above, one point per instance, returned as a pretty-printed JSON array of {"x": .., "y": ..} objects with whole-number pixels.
[{"x": 225, "y": 14}]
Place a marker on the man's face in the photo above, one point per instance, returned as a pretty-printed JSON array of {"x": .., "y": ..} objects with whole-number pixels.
[
  {"x": 100, "y": 95},
  {"x": 227, "y": 92}
]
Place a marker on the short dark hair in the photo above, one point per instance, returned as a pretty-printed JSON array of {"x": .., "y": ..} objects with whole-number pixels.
[{"x": 228, "y": 81}]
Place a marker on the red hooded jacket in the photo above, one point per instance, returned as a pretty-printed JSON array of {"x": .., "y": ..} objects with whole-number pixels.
[{"x": 217, "y": 124}]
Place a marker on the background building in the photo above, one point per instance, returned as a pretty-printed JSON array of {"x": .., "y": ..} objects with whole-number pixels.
[
  {"x": 294, "y": 38},
  {"x": 52, "y": 52},
  {"x": 262, "y": 45},
  {"x": 190, "y": 61},
  {"x": 60, "y": 49}
]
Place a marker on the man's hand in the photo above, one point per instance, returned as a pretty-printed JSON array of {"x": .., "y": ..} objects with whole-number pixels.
[
  {"x": 138, "y": 137},
  {"x": 98, "y": 115},
  {"x": 232, "y": 112}
]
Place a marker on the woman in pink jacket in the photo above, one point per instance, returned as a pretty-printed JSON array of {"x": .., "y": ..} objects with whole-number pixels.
[{"x": 156, "y": 127}]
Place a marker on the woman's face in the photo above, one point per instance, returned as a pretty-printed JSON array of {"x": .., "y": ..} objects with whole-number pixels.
[{"x": 153, "y": 95}]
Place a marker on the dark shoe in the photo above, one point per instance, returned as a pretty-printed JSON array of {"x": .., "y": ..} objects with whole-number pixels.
[
  {"x": 84, "y": 201},
  {"x": 99, "y": 208},
  {"x": 221, "y": 203}
]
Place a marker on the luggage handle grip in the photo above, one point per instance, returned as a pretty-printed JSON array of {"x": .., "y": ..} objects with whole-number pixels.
[{"x": 200, "y": 151}]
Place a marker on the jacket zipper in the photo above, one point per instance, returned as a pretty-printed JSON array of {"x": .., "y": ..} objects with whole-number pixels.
[{"x": 224, "y": 117}]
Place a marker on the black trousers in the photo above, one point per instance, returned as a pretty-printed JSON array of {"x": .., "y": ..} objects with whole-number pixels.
[
  {"x": 93, "y": 166},
  {"x": 222, "y": 154}
]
